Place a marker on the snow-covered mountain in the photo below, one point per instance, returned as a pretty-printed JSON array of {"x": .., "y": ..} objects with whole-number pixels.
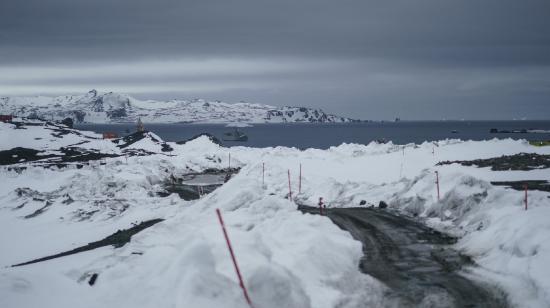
[{"x": 94, "y": 107}]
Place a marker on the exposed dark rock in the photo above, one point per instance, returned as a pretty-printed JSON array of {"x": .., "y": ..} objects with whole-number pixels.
[
  {"x": 20, "y": 206},
  {"x": 92, "y": 279},
  {"x": 363, "y": 202},
  {"x": 79, "y": 115},
  {"x": 187, "y": 189},
  {"x": 84, "y": 215},
  {"x": 117, "y": 240},
  {"x": 166, "y": 147},
  {"x": 73, "y": 154},
  {"x": 68, "y": 122},
  {"x": 19, "y": 154},
  {"x": 69, "y": 154},
  {"x": 129, "y": 139},
  {"x": 117, "y": 113},
  {"x": 231, "y": 171},
  {"x": 521, "y": 161},
  {"x": 541, "y": 185},
  {"x": 382, "y": 205},
  {"x": 97, "y": 104},
  {"x": 40, "y": 210}
]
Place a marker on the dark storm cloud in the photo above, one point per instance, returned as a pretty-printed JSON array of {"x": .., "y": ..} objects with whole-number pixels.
[
  {"x": 492, "y": 31},
  {"x": 365, "y": 57}
]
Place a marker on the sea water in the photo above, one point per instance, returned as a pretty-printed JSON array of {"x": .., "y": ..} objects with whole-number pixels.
[{"x": 322, "y": 136}]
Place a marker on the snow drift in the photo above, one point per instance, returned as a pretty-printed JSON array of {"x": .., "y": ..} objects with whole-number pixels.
[{"x": 288, "y": 259}]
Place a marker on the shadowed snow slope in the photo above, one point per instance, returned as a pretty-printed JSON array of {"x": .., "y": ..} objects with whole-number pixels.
[{"x": 288, "y": 259}]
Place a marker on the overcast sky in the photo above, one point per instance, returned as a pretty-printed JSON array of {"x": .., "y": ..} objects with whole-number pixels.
[{"x": 369, "y": 59}]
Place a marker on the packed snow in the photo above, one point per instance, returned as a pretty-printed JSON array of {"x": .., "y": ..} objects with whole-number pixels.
[{"x": 287, "y": 258}]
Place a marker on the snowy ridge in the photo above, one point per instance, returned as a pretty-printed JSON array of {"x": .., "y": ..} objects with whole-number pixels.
[{"x": 94, "y": 107}]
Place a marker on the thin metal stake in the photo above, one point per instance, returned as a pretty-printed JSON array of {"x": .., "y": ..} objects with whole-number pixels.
[
  {"x": 241, "y": 283},
  {"x": 525, "y": 186},
  {"x": 300, "y": 181},
  {"x": 289, "y": 189},
  {"x": 437, "y": 182}
]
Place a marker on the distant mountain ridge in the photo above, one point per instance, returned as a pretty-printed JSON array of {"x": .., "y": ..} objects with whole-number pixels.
[{"x": 94, "y": 107}]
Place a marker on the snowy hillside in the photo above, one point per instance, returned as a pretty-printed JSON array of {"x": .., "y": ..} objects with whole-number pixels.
[
  {"x": 76, "y": 188},
  {"x": 94, "y": 107}
]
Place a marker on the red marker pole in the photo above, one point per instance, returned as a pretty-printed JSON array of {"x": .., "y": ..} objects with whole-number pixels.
[
  {"x": 437, "y": 183},
  {"x": 263, "y": 174},
  {"x": 321, "y": 206},
  {"x": 525, "y": 186},
  {"x": 300, "y": 181},
  {"x": 241, "y": 283},
  {"x": 289, "y": 189},
  {"x": 229, "y": 160}
]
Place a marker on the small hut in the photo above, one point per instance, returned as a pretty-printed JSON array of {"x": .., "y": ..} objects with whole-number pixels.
[
  {"x": 109, "y": 135},
  {"x": 6, "y": 118}
]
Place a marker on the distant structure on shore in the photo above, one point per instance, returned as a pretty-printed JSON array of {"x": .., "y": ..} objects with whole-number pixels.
[
  {"x": 6, "y": 118},
  {"x": 140, "y": 127},
  {"x": 109, "y": 135}
]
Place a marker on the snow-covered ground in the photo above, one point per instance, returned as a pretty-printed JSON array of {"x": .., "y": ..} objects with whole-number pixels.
[{"x": 288, "y": 259}]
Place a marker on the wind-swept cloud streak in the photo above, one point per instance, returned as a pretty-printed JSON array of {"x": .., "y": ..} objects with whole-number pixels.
[{"x": 414, "y": 59}]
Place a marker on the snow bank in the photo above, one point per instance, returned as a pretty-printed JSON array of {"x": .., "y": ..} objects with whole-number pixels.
[
  {"x": 288, "y": 259},
  {"x": 509, "y": 245}
]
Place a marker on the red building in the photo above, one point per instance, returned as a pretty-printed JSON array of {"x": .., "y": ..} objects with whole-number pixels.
[
  {"x": 6, "y": 118},
  {"x": 109, "y": 135}
]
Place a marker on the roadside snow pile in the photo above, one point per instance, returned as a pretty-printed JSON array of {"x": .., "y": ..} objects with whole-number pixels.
[
  {"x": 274, "y": 244},
  {"x": 510, "y": 245},
  {"x": 288, "y": 259}
]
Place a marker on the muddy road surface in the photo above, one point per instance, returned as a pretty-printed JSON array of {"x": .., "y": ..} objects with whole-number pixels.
[{"x": 417, "y": 263}]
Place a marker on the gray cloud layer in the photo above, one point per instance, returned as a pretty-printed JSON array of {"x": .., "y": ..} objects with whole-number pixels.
[{"x": 371, "y": 59}]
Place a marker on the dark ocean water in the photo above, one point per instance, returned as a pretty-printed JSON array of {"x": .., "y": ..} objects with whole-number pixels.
[{"x": 325, "y": 135}]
